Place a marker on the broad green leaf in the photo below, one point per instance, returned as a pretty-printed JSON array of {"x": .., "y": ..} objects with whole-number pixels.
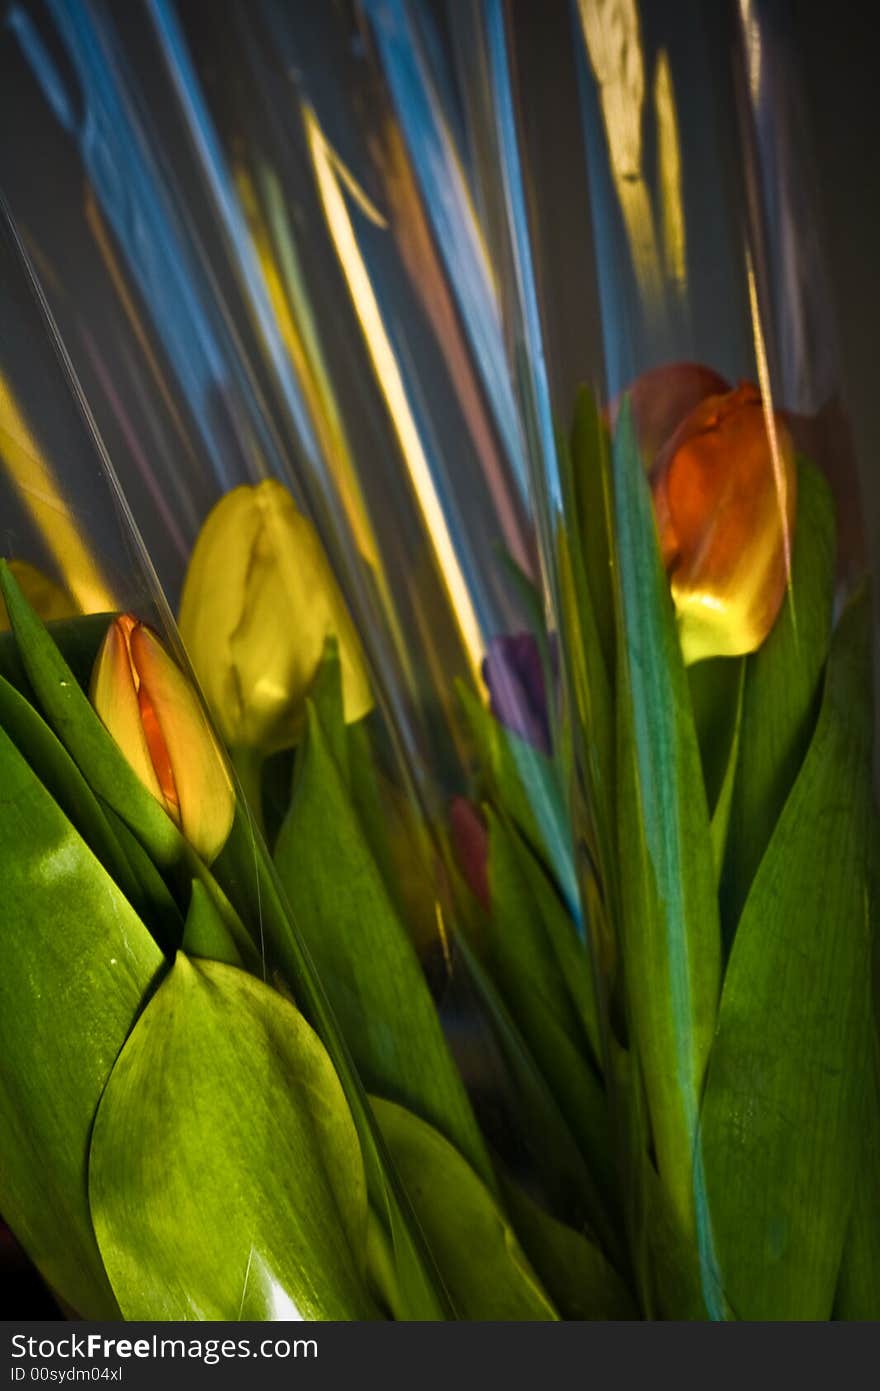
[
  {"x": 75, "y": 965},
  {"x": 858, "y": 1284},
  {"x": 225, "y": 1177},
  {"x": 525, "y": 785},
  {"x": 670, "y": 930},
  {"x": 60, "y": 776},
  {"x": 782, "y": 1114},
  {"x": 249, "y": 879},
  {"x": 69, "y": 712},
  {"x": 572, "y": 1267},
  {"x": 205, "y": 932},
  {"x": 479, "y": 1257},
  {"x": 363, "y": 953},
  {"x": 782, "y": 693}
]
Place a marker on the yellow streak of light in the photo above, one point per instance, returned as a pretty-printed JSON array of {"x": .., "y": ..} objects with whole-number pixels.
[
  {"x": 779, "y": 476},
  {"x": 752, "y": 36},
  {"x": 322, "y": 410},
  {"x": 669, "y": 160},
  {"x": 613, "y": 39},
  {"x": 38, "y": 489},
  {"x": 330, "y": 173}
]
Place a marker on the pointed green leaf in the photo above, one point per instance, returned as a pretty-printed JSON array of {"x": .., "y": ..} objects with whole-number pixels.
[
  {"x": 205, "y": 933},
  {"x": 671, "y": 934},
  {"x": 225, "y": 1177},
  {"x": 525, "y": 785},
  {"x": 782, "y": 1114},
  {"x": 363, "y": 952},
  {"x": 480, "y": 1259},
  {"x": 782, "y": 693},
  {"x": 75, "y": 965}
]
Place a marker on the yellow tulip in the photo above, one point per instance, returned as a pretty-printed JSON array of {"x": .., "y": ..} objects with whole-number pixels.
[
  {"x": 724, "y": 491},
  {"x": 259, "y": 602},
  {"x": 153, "y": 713}
]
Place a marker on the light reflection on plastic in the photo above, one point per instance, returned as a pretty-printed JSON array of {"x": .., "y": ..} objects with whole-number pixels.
[
  {"x": 331, "y": 177},
  {"x": 37, "y": 487}
]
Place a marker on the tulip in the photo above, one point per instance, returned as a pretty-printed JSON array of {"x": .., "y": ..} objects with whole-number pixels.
[
  {"x": 724, "y": 490},
  {"x": 662, "y": 398},
  {"x": 153, "y": 713},
  {"x": 259, "y": 602},
  {"x": 514, "y": 676}
]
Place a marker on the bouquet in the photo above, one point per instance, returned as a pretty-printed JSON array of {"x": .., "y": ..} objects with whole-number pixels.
[{"x": 541, "y": 992}]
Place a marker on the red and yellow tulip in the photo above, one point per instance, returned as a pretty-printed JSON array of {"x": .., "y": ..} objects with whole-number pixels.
[{"x": 153, "y": 713}]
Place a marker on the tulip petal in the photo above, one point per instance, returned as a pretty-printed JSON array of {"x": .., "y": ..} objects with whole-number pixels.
[
  {"x": 204, "y": 788},
  {"x": 114, "y": 696},
  {"x": 724, "y": 495},
  {"x": 259, "y": 602}
]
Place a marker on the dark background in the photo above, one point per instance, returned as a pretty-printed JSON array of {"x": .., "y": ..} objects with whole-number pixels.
[{"x": 837, "y": 47}]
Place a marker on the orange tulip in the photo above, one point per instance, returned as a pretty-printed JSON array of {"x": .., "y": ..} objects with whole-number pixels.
[
  {"x": 153, "y": 713},
  {"x": 662, "y": 398},
  {"x": 724, "y": 490}
]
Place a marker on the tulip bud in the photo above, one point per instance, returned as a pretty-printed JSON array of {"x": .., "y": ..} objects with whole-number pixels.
[
  {"x": 662, "y": 398},
  {"x": 724, "y": 496},
  {"x": 153, "y": 713},
  {"x": 259, "y": 602}
]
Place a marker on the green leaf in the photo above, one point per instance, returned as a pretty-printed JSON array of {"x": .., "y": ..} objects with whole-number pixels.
[
  {"x": 155, "y": 901},
  {"x": 56, "y": 770},
  {"x": 782, "y": 1114},
  {"x": 716, "y": 688},
  {"x": 522, "y": 929},
  {"x": 858, "y": 1284},
  {"x": 69, "y": 712},
  {"x": 480, "y": 1259},
  {"x": 326, "y": 697},
  {"x": 75, "y": 965},
  {"x": 77, "y": 639},
  {"x": 247, "y": 876},
  {"x": 525, "y": 785},
  {"x": 205, "y": 932},
  {"x": 715, "y": 697},
  {"x": 670, "y": 929},
  {"x": 225, "y": 1177},
  {"x": 581, "y": 1282},
  {"x": 363, "y": 952},
  {"x": 782, "y": 693},
  {"x": 522, "y": 958}
]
